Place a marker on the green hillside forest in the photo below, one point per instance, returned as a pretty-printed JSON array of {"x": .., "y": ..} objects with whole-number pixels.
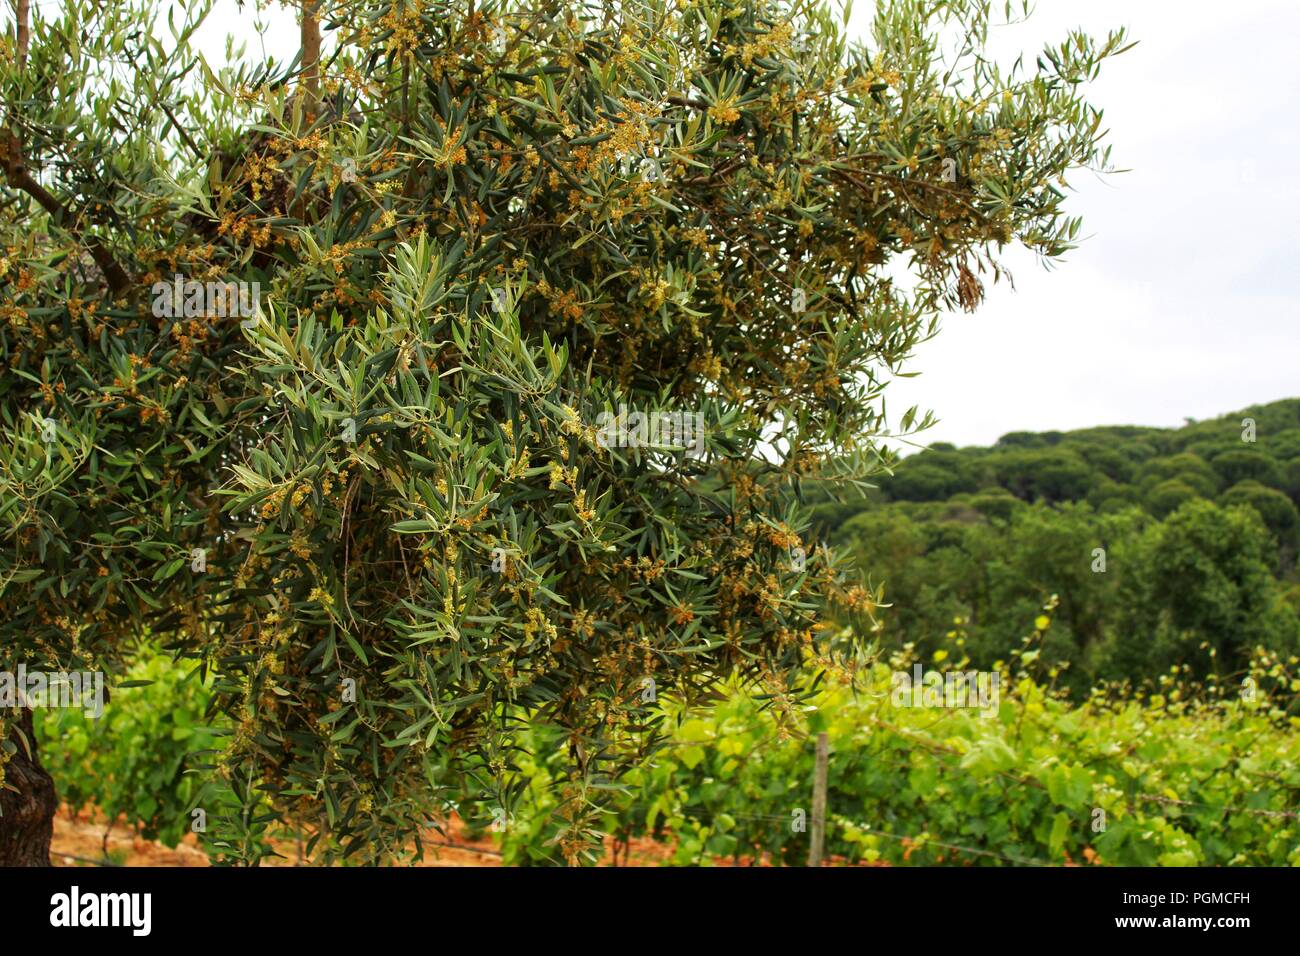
[{"x": 1163, "y": 550}]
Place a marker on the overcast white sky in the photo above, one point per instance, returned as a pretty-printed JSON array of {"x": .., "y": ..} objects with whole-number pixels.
[{"x": 1183, "y": 300}]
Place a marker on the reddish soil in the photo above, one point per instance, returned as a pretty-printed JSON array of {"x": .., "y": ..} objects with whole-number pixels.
[{"x": 79, "y": 840}]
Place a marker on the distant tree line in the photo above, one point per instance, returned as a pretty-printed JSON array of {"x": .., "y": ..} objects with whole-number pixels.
[{"x": 1167, "y": 548}]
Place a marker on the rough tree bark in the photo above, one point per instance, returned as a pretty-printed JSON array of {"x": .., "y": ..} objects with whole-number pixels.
[
  {"x": 26, "y": 810},
  {"x": 310, "y": 48},
  {"x": 22, "y": 9}
]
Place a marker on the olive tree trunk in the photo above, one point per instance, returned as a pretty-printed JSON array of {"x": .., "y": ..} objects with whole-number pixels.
[{"x": 27, "y": 800}]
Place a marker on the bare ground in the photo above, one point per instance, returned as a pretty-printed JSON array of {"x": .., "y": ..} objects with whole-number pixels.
[{"x": 86, "y": 839}]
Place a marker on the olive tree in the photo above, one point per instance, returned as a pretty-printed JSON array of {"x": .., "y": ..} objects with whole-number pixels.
[{"x": 472, "y": 368}]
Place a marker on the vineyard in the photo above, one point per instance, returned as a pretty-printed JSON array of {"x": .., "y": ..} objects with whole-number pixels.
[{"x": 1183, "y": 778}]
